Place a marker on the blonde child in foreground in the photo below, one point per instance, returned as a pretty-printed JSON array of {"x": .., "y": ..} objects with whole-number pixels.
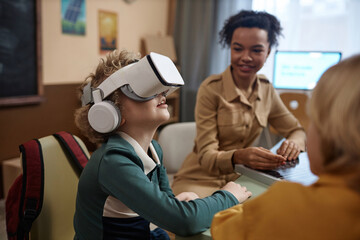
[{"x": 330, "y": 208}]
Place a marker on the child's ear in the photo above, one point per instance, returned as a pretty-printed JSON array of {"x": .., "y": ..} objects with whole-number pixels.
[{"x": 122, "y": 121}]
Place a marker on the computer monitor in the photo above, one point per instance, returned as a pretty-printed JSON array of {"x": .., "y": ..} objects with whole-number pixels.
[{"x": 301, "y": 70}]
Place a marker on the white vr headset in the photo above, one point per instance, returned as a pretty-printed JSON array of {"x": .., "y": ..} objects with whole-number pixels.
[{"x": 152, "y": 75}]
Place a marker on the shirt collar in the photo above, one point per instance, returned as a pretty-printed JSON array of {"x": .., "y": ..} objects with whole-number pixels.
[
  {"x": 231, "y": 91},
  {"x": 148, "y": 162}
]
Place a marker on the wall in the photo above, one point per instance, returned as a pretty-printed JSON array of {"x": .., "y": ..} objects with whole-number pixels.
[{"x": 67, "y": 60}]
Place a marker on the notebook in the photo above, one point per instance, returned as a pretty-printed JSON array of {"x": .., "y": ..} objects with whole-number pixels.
[{"x": 294, "y": 171}]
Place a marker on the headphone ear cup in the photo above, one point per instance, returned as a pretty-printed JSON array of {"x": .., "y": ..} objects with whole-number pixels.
[{"x": 104, "y": 116}]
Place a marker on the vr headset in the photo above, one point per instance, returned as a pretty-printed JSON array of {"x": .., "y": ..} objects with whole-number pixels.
[{"x": 141, "y": 81}]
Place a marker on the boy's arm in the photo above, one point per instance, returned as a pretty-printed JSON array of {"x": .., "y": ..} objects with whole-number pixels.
[
  {"x": 164, "y": 182},
  {"x": 126, "y": 181},
  {"x": 163, "y": 177}
]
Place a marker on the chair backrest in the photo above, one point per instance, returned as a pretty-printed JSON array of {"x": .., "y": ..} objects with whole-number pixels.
[
  {"x": 60, "y": 188},
  {"x": 296, "y": 103},
  {"x": 176, "y": 141}
]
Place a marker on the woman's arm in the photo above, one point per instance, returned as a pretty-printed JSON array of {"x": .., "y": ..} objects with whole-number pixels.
[
  {"x": 288, "y": 126},
  {"x": 210, "y": 157}
]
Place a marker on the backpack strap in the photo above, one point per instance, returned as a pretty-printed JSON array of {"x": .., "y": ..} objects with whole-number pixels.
[
  {"x": 73, "y": 148},
  {"x": 26, "y": 194},
  {"x": 25, "y": 197},
  {"x": 33, "y": 187}
]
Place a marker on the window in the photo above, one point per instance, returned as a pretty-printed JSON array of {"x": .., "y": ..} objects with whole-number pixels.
[{"x": 309, "y": 25}]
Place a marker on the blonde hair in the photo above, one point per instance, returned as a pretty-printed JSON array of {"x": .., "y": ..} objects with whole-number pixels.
[
  {"x": 335, "y": 111},
  {"x": 113, "y": 62}
]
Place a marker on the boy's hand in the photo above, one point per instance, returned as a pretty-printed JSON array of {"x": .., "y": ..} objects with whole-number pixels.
[
  {"x": 187, "y": 196},
  {"x": 241, "y": 193}
]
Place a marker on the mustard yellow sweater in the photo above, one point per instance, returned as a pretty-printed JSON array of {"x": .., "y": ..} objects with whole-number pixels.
[{"x": 325, "y": 210}]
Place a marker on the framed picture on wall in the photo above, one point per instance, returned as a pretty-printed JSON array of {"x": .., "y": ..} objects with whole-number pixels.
[
  {"x": 20, "y": 53},
  {"x": 107, "y": 31},
  {"x": 73, "y": 17}
]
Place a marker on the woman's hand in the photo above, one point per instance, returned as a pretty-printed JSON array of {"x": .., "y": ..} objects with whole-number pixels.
[
  {"x": 241, "y": 193},
  {"x": 187, "y": 196},
  {"x": 289, "y": 150},
  {"x": 258, "y": 158}
]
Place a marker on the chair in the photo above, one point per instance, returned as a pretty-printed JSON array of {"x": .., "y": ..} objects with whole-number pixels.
[
  {"x": 296, "y": 104},
  {"x": 60, "y": 188},
  {"x": 177, "y": 141}
]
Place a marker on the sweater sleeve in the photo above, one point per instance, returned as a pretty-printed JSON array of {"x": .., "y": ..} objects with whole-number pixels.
[
  {"x": 227, "y": 224},
  {"x": 123, "y": 179}
]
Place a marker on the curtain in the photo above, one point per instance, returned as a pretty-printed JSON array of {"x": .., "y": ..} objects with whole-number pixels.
[{"x": 197, "y": 26}]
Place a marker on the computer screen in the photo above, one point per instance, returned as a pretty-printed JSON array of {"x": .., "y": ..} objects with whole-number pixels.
[{"x": 301, "y": 70}]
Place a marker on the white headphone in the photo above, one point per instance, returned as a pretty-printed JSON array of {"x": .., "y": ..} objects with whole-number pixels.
[
  {"x": 104, "y": 116},
  {"x": 140, "y": 81}
]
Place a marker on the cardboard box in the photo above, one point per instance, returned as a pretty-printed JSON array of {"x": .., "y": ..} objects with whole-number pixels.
[
  {"x": 160, "y": 44},
  {"x": 11, "y": 170}
]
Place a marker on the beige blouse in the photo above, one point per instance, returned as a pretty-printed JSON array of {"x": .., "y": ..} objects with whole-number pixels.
[{"x": 226, "y": 121}]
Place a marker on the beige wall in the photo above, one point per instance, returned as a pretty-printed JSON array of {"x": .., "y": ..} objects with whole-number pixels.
[
  {"x": 70, "y": 58},
  {"x": 67, "y": 60}
]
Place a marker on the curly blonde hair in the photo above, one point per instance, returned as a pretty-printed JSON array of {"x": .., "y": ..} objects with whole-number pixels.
[
  {"x": 335, "y": 111},
  {"x": 113, "y": 62}
]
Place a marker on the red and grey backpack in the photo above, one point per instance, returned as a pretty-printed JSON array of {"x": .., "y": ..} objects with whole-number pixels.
[{"x": 25, "y": 197}]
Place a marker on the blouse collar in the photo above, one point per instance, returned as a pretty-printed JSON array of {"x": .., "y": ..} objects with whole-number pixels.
[{"x": 231, "y": 91}]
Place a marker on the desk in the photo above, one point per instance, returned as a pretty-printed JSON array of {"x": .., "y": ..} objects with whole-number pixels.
[
  {"x": 257, "y": 183},
  {"x": 252, "y": 185}
]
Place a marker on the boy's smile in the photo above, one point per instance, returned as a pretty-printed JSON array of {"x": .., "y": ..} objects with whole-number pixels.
[
  {"x": 153, "y": 112},
  {"x": 162, "y": 102}
]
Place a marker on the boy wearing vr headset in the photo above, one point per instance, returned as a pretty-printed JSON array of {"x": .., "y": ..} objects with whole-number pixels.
[{"x": 124, "y": 186}]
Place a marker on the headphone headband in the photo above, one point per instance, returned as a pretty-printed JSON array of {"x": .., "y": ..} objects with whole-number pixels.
[{"x": 140, "y": 81}]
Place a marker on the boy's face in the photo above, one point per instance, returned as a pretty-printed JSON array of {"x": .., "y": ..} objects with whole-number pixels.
[
  {"x": 314, "y": 149},
  {"x": 149, "y": 113}
]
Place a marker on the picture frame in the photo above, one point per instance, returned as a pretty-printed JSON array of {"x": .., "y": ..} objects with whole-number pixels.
[
  {"x": 107, "y": 31},
  {"x": 73, "y": 17}
]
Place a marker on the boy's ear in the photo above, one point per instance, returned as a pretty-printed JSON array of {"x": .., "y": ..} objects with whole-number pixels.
[{"x": 122, "y": 121}]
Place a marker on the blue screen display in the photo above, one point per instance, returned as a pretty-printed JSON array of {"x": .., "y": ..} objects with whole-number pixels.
[{"x": 301, "y": 70}]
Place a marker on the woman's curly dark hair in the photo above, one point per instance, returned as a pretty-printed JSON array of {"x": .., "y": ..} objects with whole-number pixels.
[
  {"x": 113, "y": 62},
  {"x": 251, "y": 19}
]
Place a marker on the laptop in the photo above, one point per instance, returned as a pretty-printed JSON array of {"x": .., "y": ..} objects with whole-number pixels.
[{"x": 294, "y": 171}]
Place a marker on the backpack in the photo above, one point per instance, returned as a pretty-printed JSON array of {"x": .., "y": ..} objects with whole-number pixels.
[{"x": 25, "y": 197}]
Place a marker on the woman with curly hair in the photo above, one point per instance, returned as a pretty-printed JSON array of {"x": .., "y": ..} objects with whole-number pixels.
[
  {"x": 234, "y": 107},
  {"x": 329, "y": 208}
]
